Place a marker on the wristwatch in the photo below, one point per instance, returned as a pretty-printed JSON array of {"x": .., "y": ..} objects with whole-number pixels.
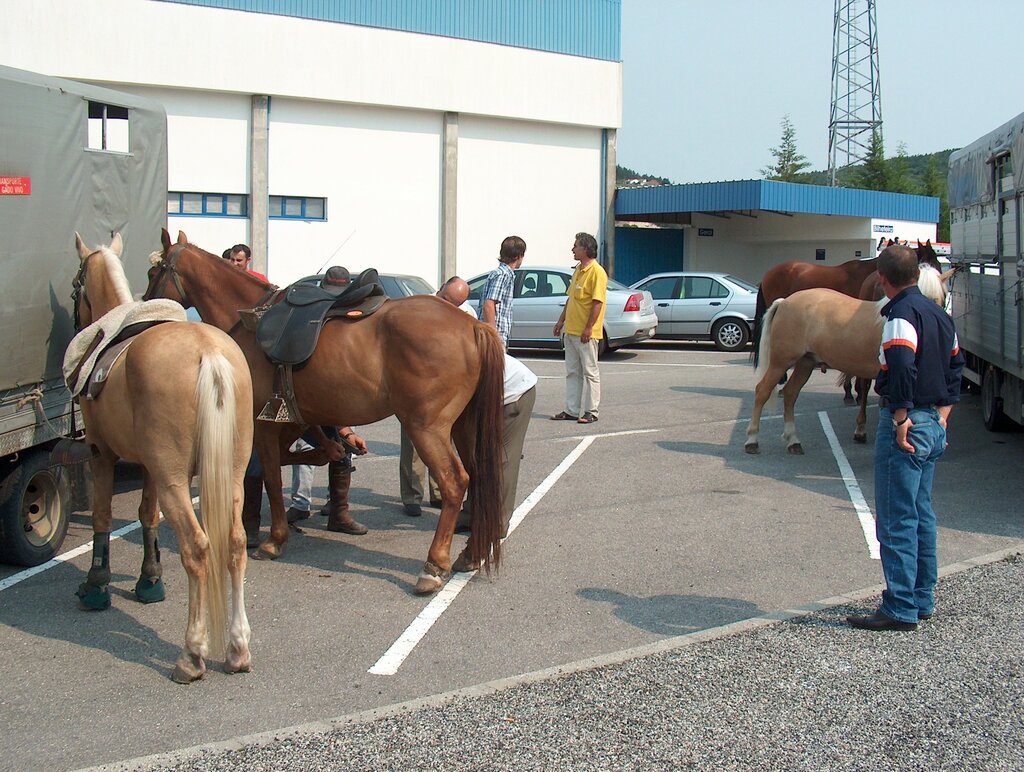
[{"x": 900, "y": 422}]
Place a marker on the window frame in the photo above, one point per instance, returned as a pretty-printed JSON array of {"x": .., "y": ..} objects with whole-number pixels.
[
  {"x": 280, "y": 212},
  {"x": 205, "y": 211}
]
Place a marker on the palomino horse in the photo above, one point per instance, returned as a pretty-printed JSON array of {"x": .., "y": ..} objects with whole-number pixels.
[
  {"x": 419, "y": 358},
  {"x": 177, "y": 401},
  {"x": 784, "y": 279},
  {"x": 819, "y": 327}
]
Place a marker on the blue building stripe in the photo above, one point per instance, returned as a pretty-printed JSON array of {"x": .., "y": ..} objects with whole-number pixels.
[
  {"x": 587, "y": 28},
  {"x": 746, "y": 195}
]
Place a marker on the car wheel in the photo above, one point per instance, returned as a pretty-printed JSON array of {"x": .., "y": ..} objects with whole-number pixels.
[{"x": 730, "y": 334}]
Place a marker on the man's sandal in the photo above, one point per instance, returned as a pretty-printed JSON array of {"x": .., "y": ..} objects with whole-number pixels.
[
  {"x": 587, "y": 418},
  {"x": 563, "y": 416}
]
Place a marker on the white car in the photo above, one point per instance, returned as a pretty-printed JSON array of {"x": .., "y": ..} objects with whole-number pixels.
[
  {"x": 702, "y": 305},
  {"x": 539, "y": 296}
]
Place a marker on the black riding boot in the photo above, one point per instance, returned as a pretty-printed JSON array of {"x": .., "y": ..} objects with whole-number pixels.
[
  {"x": 251, "y": 506},
  {"x": 339, "y": 478}
]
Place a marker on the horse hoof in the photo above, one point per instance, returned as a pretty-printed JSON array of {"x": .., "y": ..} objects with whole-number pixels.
[
  {"x": 187, "y": 669},
  {"x": 149, "y": 590},
  {"x": 752, "y": 448},
  {"x": 427, "y": 584},
  {"x": 861, "y": 438},
  {"x": 238, "y": 663},
  {"x": 267, "y": 551},
  {"x": 93, "y": 598},
  {"x": 463, "y": 565},
  {"x": 796, "y": 449},
  {"x": 849, "y": 401}
]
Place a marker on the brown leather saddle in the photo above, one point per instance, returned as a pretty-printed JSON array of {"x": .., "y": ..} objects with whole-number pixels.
[{"x": 289, "y": 331}]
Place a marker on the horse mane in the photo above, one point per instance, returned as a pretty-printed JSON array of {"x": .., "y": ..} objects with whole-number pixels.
[
  {"x": 115, "y": 272},
  {"x": 931, "y": 286}
]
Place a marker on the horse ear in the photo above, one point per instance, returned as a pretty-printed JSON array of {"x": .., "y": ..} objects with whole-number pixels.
[
  {"x": 116, "y": 244},
  {"x": 182, "y": 238},
  {"x": 928, "y": 243},
  {"x": 83, "y": 251},
  {"x": 165, "y": 239}
]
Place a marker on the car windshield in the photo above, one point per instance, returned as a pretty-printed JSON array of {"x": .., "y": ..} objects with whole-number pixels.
[
  {"x": 745, "y": 284},
  {"x": 414, "y": 285}
]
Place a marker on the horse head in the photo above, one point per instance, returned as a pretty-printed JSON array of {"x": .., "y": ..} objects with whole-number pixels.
[
  {"x": 96, "y": 292},
  {"x": 926, "y": 255}
]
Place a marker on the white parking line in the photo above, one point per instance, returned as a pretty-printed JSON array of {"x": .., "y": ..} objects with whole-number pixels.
[
  {"x": 867, "y": 522},
  {"x": 393, "y": 658}
]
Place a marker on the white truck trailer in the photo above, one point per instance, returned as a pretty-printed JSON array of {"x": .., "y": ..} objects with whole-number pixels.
[
  {"x": 986, "y": 206},
  {"x": 72, "y": 157}
]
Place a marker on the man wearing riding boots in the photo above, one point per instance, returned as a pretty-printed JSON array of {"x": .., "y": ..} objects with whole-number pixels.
[
  {"x": 918, "y": 385},
  {"x": 339, "y": 479}
]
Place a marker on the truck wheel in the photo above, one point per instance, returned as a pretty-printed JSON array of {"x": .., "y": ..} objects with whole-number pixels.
[
  {"x": 34, "y": 511},
  {"x": 730, "y": 334},
  {"x": 991, "y": 402}
]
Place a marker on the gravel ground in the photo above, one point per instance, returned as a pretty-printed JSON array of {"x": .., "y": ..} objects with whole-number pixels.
[{"x": 807, "y": 692}]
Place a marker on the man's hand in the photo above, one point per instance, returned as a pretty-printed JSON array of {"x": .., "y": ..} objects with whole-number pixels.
[
  {"x": 356, "y": 443},
  {"x": 585, "y": 336},
  {"x": 901, "y": 436},
  {"x": 557, "y": 329}
]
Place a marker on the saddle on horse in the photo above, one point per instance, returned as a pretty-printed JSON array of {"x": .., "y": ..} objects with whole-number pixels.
[{"x": 289, "y": 331}]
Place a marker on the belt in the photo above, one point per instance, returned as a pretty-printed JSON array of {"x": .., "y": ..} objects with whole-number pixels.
[{"x": 885, "y": 402}]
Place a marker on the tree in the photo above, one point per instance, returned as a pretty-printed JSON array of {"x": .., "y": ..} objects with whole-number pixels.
[
  {"x": 788, "y": 162},
  {"x": 874, "y": 173},
  {"x": 934, "y": 184},
  {"x": 899, "y": 172}
]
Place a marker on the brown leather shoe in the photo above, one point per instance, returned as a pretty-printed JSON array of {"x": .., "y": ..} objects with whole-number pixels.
[{"x": 295, "y": 515}]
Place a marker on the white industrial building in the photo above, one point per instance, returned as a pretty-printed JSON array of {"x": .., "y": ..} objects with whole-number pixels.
[{"x": 403, "y": 135}]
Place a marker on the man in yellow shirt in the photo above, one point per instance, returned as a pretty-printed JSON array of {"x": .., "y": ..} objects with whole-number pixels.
[{"x": 583, "y": 321}]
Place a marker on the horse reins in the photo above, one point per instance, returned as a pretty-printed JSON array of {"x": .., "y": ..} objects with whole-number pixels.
[
  {"x": 78, "y": 292},
  {"x": 167, "y": 269}
]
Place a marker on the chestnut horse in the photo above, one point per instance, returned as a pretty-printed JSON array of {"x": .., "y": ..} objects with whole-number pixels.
[
  {"x": 177, "y": 401},
  {"x": 816, "y": 327},
  {"x": 419, "y": 358}
]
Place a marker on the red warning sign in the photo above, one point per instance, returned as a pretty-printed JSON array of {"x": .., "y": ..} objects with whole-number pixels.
[{"x": 15, "y": 186}]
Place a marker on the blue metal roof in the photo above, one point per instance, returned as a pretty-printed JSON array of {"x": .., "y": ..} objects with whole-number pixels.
[
  {"x": 747, "y": 195},
  {"x": 589, "y": 28}
]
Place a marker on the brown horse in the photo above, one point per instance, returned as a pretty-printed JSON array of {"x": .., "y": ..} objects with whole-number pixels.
[
  {"x": 177, "y": 401},
  {"x": 418, "y": 358},
  {"x": 817, "y": 327}
]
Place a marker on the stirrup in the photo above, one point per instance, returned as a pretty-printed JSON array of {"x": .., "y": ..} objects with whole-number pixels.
[{"x": 275, "y": 410}]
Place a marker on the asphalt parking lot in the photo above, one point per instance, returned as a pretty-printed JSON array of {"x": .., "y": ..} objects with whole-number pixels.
[{"x": 650, "y": 524}]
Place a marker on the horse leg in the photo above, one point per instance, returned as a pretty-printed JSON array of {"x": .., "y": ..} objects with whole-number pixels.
[
  {"x": 94, "y": 593},
  {"x": 848, "y": 390},
  {"x": 150, "y": 587},
  {"x": 801, "y": 372},
  {"x": 238, "y": 659},
  {"x": 176, "y": 502},
  {"x": 860, "y": 433},
  {"x": 266, "y": 439},
  {"x": 762, "y": 393},
  {"x": 435, "y": 448}
]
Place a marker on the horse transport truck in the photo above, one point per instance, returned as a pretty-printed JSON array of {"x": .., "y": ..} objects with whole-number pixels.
[
  {"x": 986, "y": 207},
  {"x": 73, "y": 157}
]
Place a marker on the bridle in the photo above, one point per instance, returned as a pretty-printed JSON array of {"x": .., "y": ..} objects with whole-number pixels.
[
  {"x": 166, "y": 270},
  {"x": 78, "y": 292}
]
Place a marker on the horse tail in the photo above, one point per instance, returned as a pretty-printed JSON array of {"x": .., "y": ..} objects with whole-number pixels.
[
  {"x": 764, "y": 350},
  {"x": 215, "y": 419},
  {"x": 759, "y": 310},
  {"x": 484, "y": 416}
]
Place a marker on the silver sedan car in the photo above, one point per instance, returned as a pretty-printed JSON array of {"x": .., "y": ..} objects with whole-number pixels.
[
  {"x": 702, "y": 305},
  {"x": 540, "y": 294}
]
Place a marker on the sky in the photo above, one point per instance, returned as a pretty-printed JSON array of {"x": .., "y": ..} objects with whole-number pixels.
[{"x": 706, "y": 83}]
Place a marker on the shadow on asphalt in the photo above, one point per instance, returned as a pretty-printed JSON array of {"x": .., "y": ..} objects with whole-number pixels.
[{"x": 670, "y": 615}]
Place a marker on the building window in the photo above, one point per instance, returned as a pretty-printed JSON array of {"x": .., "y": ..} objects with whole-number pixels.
[
  {"x": 208, "y": 204},
  {"x": 108, "y": 127},
  {"x": 298, "y": 208}
]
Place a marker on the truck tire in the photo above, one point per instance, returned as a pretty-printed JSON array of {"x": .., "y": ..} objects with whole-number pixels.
[
  {"x": 991, "y": 402},
  {"x": 730, "y": 334},
  {"x": 34, "y": 510}
]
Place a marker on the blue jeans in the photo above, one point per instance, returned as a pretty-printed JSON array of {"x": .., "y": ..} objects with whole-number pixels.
[{"x": 905, "y": 521}]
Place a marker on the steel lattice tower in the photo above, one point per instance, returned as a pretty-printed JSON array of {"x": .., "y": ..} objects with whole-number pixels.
[{"x": 856, "y": 94}]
